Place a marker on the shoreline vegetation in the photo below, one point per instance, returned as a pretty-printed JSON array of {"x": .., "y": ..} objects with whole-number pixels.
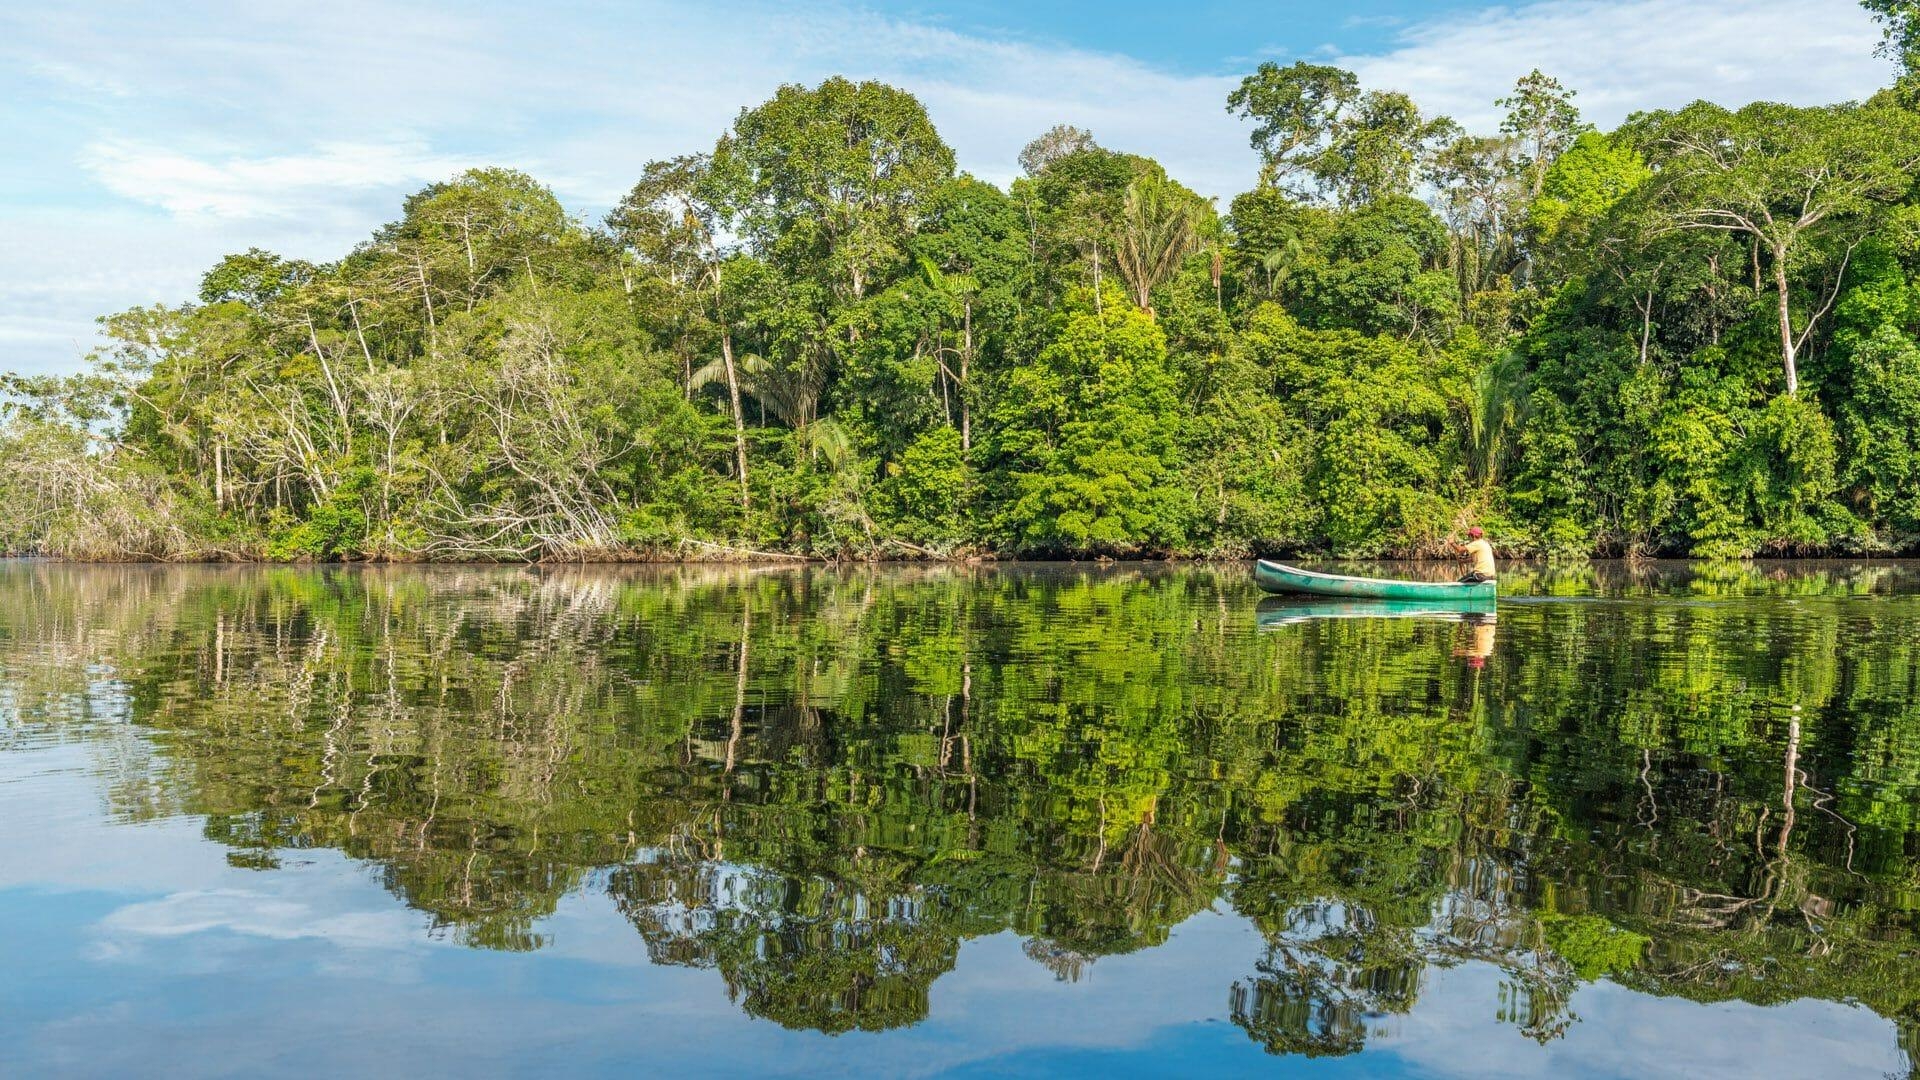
[
  {"x": 1696, "y": 335},
  {"x": 1536, "y": 577}
]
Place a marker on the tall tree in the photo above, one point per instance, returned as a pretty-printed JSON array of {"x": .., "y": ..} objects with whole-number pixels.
[
  {"x": 1295, "y": 111},
  {"x": 1321, "y": 137},
  {"x": 1543, "y": 120},
  {"x": 1379, "y": 148},
  {"x": 1476, "y": 192},
  {"x": 1803, "y": 185},
  {"x": 1056, "y": 142},
  {"x": 1900, "y": 35},
  {"x": 830, "y": 181},
  {"x": 667, "y": 224},
  {"x": 973, "y": 258}
]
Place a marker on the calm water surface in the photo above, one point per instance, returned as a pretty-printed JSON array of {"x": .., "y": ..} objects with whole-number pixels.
[{"x": 1662, "y": 821}]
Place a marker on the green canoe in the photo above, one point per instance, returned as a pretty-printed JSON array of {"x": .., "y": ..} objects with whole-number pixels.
[{"x": 1280, "y": 578}]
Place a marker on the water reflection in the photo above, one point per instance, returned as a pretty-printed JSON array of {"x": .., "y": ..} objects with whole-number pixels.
[
  {"x": 1695, "y": 782},
  {"x": 1481, "y": 631}
]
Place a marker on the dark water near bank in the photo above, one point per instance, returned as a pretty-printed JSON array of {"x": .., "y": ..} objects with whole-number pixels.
[{"x": 253, "y": 821}]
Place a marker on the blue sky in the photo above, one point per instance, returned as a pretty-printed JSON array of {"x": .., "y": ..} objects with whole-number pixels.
[
  {"x": 1206, "y": 37},
  {"x": 145, "y": 140}
]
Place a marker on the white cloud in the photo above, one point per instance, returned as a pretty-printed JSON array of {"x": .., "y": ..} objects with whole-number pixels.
[
  {"x": 35, "y": 331},
  {"x": 83, "y": 79},
  {"x": 273, "y": 186},
  {"x": 1627, "y": 55},
  {"x": 60, "y": 269}
]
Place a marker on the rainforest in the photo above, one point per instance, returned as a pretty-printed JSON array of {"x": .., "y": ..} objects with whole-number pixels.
[{"x": 1693, "y": 334}]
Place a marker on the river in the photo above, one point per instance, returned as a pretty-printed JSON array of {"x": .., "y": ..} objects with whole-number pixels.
[{"x": 1650, "y": 820}]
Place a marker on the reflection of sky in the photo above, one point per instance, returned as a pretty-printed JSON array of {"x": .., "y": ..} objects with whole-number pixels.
[{"x": 137, "y": 949}]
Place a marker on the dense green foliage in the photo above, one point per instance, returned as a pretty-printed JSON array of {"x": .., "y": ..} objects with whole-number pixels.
[
  {"x": 1694, "y": 334},
  {"x": 820, "y": 784}
]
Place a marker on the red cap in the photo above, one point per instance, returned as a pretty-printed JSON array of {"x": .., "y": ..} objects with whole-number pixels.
[{"x": 1474, "y": 531}]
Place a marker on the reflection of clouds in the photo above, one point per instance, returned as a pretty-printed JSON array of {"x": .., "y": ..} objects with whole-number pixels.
[
  {"x": 257, "y": 914},
  {"x": 304, "y": 922},
  {"x": 997, "y": 1011},
  {"x": 1454, "y": 1031}
]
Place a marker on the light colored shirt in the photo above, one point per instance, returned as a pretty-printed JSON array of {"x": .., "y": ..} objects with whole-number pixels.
[{"x": 1480, "y": 555}]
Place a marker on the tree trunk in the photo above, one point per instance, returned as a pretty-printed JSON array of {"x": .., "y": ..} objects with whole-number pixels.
[
  {"x": 353, "y": 309},
  {"x": 966, "y": 356},
  {"x": 426, "y": 296},
  {"x": 386, "y": 479},
  {"x": 1790, "y": 784},
  {"x": 740, "y": 683},
  {"x": 333, "y": 386},
  {"x": 1786, "y": 320},
  {"x": 1646, "y": 328},
  {"x": 946, "y": 395},
  {"x": 739, "y": 417},
  {"x": 473, "y": 276}
]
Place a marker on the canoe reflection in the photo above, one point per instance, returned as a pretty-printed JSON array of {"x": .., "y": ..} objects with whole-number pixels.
[
  {"x": 1278, "y": 611},
  {"x": 1476, "y": 639}
]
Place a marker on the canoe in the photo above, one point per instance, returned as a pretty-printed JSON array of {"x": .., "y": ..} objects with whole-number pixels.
[
  {"x": 1278, "y": 611},
  {"x": 1280, "y": 578}
]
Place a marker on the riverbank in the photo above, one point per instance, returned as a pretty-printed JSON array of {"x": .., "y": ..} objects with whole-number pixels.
[{"x": 696, "y": 553}]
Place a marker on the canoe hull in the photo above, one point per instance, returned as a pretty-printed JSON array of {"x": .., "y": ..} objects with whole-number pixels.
[{"x": 1287, "y": 580}]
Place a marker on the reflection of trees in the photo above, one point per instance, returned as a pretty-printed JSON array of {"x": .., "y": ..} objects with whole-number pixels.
[
  {"x": 1329, "y": 973},
  {"x": 806, "y": 954},
  {"x": 1126, "y": 898},
  {"x": 818, "y": 783}
]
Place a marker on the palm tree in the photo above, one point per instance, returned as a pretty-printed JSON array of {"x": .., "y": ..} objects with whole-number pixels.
[
  {"x": 1278, "y": 263},
  {"x": 1159, "y": 227},
  {"x": 791, "y": 394},
  {"x": 1494, "y": 414}
]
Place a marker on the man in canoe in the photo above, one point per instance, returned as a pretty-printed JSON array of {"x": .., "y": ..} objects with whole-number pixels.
[{"x": 1478, "y": 555}]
